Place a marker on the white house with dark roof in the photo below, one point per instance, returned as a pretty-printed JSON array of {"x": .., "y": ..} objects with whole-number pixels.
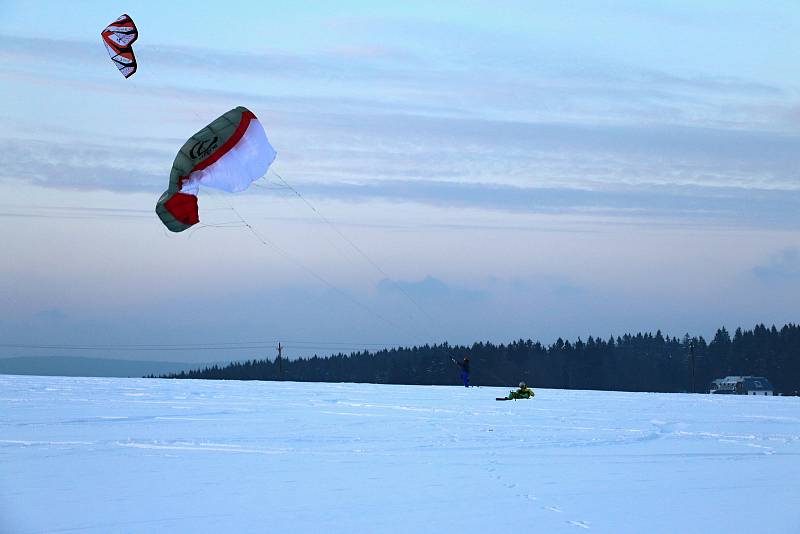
[{"x": 742, "y": 385}]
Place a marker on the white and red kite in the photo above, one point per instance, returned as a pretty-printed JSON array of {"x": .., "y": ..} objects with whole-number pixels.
[
  {"x": 118, "y": 38},
  {"x": 228, "y": 154}
]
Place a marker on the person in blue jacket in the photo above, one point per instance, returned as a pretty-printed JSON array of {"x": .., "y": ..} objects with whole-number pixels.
[{"x": 464, "y": 370}]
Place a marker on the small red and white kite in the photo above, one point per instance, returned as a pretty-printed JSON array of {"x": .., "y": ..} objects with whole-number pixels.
[{"x": 118, "y": 38}]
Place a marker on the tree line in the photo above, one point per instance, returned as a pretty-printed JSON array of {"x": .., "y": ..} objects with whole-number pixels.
[{"x": 640, "y": 362}]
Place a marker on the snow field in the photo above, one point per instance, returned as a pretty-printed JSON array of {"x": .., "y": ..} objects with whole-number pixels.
[{"x": 139, "y": 455}]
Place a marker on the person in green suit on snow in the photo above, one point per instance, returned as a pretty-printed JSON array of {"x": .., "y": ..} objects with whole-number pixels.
[{"x": 524, "y": 392}]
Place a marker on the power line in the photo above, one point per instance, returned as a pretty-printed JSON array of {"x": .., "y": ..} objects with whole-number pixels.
[{"x": 231, "y": 345}]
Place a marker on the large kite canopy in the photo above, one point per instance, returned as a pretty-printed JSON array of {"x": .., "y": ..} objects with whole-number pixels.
[
  {"x": 228, "y": 154},
  {"x": 118, "y": 38}
]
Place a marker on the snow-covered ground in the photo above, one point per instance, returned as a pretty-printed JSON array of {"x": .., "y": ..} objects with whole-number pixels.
[{"x": 136, "y": 455}]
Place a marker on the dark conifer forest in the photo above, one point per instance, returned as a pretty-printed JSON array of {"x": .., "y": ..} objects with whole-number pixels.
[{"x": 640, "y": 362}]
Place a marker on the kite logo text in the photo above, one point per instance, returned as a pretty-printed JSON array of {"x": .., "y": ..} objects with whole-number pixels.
[{"x": 203, "y": 148}]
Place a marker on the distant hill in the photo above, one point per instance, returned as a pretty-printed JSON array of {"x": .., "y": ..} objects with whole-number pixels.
[{"x": 78, "y": 366}]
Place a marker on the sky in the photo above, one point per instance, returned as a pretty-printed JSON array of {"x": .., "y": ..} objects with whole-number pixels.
[{"x": 471, "y": 171}]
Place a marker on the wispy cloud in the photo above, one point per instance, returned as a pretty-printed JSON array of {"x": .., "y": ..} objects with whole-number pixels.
[
  {"x": 84, "y": 166},
  {"x": 499, "y": 177},
  {"x": 361, "y": 63},
  {"x": 781, "y": 266},
  {"x": 429, "y": 289},
  {"x": 503, "y": 84},
  {"x": 709, "y": 204},
  {"x": 353, "y": 146}
]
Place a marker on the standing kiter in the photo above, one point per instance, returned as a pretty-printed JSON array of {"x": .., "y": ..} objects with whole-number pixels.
[{"x": 464, "y": 370}]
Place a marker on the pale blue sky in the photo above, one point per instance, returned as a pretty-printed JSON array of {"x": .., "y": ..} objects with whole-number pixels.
[{"x": 521, "y": 169}]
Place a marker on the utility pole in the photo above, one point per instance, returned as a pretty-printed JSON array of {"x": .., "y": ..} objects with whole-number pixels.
[
  {"x": 280, "y": 361},
  {"x": 691, "y": 361}
]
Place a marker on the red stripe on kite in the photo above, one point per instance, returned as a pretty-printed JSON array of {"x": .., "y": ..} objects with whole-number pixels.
[
  {"x": 184, "y": 208},
  {"x": 247, "y": 116},
  {"x": 244, "y": 123}
]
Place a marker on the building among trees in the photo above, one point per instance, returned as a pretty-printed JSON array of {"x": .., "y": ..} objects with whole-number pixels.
[{"x": 742, "y": 385}]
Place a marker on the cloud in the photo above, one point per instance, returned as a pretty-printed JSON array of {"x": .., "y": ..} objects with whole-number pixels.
[
  {"x": 709, "y": 205},
  {"x": 51, "y": 315},
  {"x": 34, "y": 211},
  {"x": 496, "y": 81},
  {"x": 341, "y": 63},
  {"x": 429, "y": 289},
  {"x": 781, "y": 266},
  {"x": 457, "y": 139},
  {"x": 568, "y": 291},
  {"x": 360, "y": 145},
  {"x": 82, "y": 166},
  {"x": 441, "y": 179}
]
